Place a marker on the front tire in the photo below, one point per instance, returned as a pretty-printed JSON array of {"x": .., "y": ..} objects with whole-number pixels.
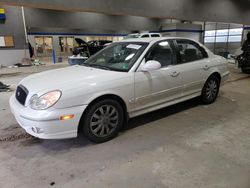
[
  {"x": 103, "y": 120},
  {"x": 210, "y": 90}
]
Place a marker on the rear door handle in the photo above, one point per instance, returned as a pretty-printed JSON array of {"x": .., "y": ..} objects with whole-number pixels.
[
  {"x": 175, "y": 74},
  {"x": 206, "y": 67}
]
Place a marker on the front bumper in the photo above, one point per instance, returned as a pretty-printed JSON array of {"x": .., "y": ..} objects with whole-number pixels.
[{"x": 46, "y": 124}]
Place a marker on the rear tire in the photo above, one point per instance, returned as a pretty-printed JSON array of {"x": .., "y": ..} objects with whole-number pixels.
[
  {"x": 210, "y": 90},
  {"x": 103, "y": 120}
]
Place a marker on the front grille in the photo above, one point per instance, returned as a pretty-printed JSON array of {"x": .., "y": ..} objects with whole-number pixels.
[{"x": 21, "y": 94}]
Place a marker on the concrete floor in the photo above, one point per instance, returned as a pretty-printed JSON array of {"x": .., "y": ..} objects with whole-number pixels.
[{"x": 186, "y": 145}]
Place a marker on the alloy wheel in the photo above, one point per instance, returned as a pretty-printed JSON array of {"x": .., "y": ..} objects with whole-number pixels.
[
  {"x": 104, "y": 121},
  {"x": 211, "y": 90}
]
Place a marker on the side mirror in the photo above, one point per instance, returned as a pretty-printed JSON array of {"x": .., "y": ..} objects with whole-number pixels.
[{"x": 150, "y": 66}]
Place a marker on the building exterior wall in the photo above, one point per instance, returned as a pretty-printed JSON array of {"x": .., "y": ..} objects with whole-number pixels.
[
  {"x": 40, "y": 22},
  {"x": 79, "y": 22},
  {"x": 13, "y": 26}
]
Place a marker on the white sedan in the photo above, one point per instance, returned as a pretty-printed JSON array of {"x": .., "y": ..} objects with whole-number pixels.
[{"x": 124, "y": 80}]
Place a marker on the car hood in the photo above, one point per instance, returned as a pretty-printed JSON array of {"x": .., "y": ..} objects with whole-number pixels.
[
  {"x": 69, "y": 78},
  {"x": 80, "y": 42}
]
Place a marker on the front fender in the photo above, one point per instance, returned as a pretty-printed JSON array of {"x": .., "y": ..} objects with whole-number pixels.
[{"x": 85, "y": 95}]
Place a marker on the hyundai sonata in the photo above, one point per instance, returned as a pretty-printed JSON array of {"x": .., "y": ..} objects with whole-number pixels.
[{"x": 124, "y": 80}]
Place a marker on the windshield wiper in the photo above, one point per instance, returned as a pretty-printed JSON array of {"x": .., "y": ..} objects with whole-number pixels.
[
  {"x": 97, "y": 66},
  {"x": 103, "y": 67}
]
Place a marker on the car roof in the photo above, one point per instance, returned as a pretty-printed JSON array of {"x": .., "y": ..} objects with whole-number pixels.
[{"x": 153, "y": 39}]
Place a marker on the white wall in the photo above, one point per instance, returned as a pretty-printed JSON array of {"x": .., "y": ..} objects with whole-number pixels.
[{"x": 11, "y": 57}]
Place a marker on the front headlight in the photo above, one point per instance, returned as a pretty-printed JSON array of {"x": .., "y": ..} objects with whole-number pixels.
[{"x": 45, "y": 101}]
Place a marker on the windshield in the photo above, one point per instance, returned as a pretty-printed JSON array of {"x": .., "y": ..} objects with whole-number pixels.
[{"x": 117, "y": 56}]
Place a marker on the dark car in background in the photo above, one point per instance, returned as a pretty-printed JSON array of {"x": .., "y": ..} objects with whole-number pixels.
[
  {"x": 244, "y": 62},
  {"x": 89, "y": 48}
]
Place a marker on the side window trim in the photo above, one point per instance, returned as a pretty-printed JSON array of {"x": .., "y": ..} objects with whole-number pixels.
[
  {"x": 178, "y": 55},
  {"x": 174, "y": 56}
]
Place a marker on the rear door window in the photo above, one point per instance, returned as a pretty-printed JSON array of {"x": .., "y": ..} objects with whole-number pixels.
[{"x": 190, "y": 51}]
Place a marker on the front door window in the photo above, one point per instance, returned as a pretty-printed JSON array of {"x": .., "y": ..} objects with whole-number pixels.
[{"x": 163, "y": 53}]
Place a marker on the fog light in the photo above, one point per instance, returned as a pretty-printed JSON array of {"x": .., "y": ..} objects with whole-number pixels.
[
  {"x": 37, "y": 130},
  {"x": 67, "y": 117}
]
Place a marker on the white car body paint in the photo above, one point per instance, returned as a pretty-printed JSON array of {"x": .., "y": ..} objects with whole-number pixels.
[{"x": 141, "y": 91}]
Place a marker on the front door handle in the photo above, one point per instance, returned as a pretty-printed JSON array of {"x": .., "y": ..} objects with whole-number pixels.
[
  {"x": 206, "y": 67},
  {"x": 175, "y": 74}
]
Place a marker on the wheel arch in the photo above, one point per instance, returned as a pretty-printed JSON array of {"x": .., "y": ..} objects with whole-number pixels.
[
  {"x": 115, "y": 97},
  {"x": 216, "y": 74},
  {"x": 204, "y": 99}
]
